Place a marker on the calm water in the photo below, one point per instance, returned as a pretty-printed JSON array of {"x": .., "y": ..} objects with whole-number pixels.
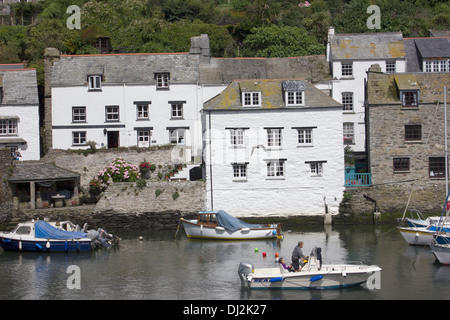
[{"x": 164, "y": 267}]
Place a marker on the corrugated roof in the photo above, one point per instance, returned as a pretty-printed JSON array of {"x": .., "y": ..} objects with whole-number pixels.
[
  {"x": 367, "y": 46},
  {"x": 272, "y": 95}
]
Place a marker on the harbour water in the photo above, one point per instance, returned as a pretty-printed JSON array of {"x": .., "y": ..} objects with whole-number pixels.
[{"x": 161, "y": 266}]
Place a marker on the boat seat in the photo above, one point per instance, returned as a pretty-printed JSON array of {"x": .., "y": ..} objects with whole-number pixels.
[{"x": 282, "y": 270}]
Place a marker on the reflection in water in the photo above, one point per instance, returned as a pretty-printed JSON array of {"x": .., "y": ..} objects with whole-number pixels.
[{"x": 161, "y": 266}]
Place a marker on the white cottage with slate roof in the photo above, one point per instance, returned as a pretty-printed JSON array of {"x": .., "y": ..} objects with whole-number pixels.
[
  {"x": 273, "y": 147},
  {"x": 123, "y": 100},
  {"x": 19, "y": 111},
  {"x": 350, "y": 57}
]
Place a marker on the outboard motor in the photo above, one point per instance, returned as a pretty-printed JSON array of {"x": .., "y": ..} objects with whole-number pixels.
[{"x": 244, "y": 270}]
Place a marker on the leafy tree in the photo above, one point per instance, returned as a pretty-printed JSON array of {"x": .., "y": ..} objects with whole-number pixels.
[{"x": 274, "y": 41}]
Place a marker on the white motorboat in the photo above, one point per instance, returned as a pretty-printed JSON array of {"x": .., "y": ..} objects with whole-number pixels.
[
  {"x": 43, "y": 236},
  {"x": 420, "y": 236},
  {"x": 313, "y": 275},
  {"x": 219, "y": 225}
]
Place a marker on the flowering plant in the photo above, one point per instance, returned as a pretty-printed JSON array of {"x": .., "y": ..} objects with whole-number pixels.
[
  {"x": 118, "y": 171},
  {"x": 145, "y": 164}
]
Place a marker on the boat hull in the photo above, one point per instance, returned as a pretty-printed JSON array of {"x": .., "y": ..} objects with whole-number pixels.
[
  {"x": 198, "y": 231},
  {"x": 40, "y": 245},
  {"x": 328, "y": 277},
  {"x": 417, "y": 235},
  {"x": 442, "y": 253}
]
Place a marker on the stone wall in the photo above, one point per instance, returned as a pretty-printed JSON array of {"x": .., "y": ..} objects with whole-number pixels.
[
  {"x": 88, "y": 165},
  {"x": 5, "y": 192}
]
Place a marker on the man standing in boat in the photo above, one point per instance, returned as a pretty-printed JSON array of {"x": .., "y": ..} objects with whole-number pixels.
[{"x": 298, "y": 257}]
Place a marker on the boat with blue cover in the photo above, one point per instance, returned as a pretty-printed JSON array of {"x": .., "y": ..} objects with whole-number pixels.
[
  {"x": 219, "y": 225},
  {"x": 43, "y": 236}
]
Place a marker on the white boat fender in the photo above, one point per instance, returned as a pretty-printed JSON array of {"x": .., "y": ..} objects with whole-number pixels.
[
  {"x": 20, "y": 245},
  {"x": 277, "y": 279},
  {"x": 220, "y": 228},
  {"x": 316, "y": 278},
  {"x": 344, "y": 274},
  {"x": 47, "y": 245}
]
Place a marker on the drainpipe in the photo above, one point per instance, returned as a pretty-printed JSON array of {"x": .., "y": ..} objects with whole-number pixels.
[{"x": 210, "y": 160}]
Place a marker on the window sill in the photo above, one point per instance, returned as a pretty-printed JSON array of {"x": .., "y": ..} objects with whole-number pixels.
[
  {"x": 275, "y": 178},
  {"x": 413, "y": 141},
  {"x": 143, "y": 119},
  {"x": 399, "y": 171},
  {"x": 163, "y": 88},
  {"x": 239, "y": 179},
  {"x": 305, "y": 146},
  {"x": 177, "y": 118},
  {"x": 94, "y": 90},
  {"x": 274, "y": 148},
  {"x": 237, "y": 147}
]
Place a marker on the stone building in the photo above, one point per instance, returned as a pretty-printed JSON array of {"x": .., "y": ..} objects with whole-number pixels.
[
  {"x": 273, "y": 147},
  {"x": 405, "y": 129}
]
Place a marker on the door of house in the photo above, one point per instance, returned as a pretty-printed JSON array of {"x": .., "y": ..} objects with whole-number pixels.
[{"x": 113, "y": 139}]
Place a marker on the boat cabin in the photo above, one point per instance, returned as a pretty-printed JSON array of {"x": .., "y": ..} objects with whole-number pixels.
[{"x": 207, "y": 218}]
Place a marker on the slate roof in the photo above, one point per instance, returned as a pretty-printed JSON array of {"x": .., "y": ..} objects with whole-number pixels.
[
  {"x": 367, "y": 46},
  {"x": 383, "y": 89},
  {"x": 272, "y": 95},
  {"x": 19, "y": 86},
  {"x": 133, "y": 68},
  {"x": 425, "y": 48},
  {"x": 39, "y": 171}
]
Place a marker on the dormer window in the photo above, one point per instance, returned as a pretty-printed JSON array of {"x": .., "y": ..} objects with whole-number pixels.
[
  {"x": 294, "y": 92},
  {"x": 409, "y": 98},
  {"x": 95, "y": 82},
  {"x": 295, "y": 98},
  {"x": 162, "y": 80},
  {"x": 251, "y": 99}
]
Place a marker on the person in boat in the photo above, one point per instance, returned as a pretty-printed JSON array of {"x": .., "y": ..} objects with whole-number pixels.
[
  {"x": 298, "y": 257},
  {"x": 283, "y": 264}
]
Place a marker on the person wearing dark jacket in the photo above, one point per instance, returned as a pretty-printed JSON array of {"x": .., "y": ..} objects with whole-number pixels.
[{"x": 298, "y": 257}]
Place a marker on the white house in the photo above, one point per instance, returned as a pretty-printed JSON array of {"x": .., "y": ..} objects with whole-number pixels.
[
  {"x": 273, "y": 147},
  {"x": 19, "y": 111},
  {"x": 350, "y": 57},
  {"x": 123, "y": 100}
]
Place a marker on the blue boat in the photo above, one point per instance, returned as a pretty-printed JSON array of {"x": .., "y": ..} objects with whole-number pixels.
[{"x": 42, "y": 236}]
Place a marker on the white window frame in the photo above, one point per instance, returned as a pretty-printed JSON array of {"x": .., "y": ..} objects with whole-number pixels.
[
  {"x": 441, "y": 65},
  {"x": 239, "y": 171},
  {"x": 177, "y": 136},
  {"x": 274, "y": 137},
  {"x": 112, "y": 115},
  {"x": 276, "y": 169},
  {"x": 316, "y": 168},
  {"x": 237, "y": 137},
  {"x": 79, "y": 114},
  {"x": 347, "y": 101},
  {"x": 176, "y": 111},
  {"x": 162, "y": 80},
  {"x": 8, "y": 127},
  {"x": 94, "y": 82},
  {"x": 251, "y": 99},
  {"x": 347, "y": 69},
  {"x": 142, "y": 111},
  {"x": 144, "y": 136},
  {"x": 305, "y": 137},
  {"x": 79, "y": 138},
  {"x": 390, "y": 67},
  {"x": 295, "y": 98},
  {"x": 349, "y": 132}
]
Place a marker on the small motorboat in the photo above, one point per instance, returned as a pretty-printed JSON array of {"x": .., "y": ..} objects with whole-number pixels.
[
  {"x": 313, "y": 275},
  {"x": 220, "y": 225},
  {"x": 43, "y": 236}
]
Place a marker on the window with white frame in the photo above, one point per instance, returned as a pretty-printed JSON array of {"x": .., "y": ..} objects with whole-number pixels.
[
  {"x": 79, "y": 138},
  {"x": 441, "y": 65},
  {"x": 349, "y": 133},
  {"x": 142, "y": 111},
  {"x": 274, "y": 137},
  {"x": 347, "y": 69},
  {"x": 143, "y": 138},
  {"x": 8, "y": 127},
  {"x": 294, "y": 98},
  {"x": 177, "y": 111},
  {"x": 390, "y": 67},
  {"x": 162, "y": 80},
  {"x": 347, "y": 101},
  {"x": 177, "y": 136},
  {"x": 112, "y": 113},
  {"x": 237, "y": 137},
  {"x": 305, "y": 136},
  {"x": 275, "y": 169},
  {"x": 78, "y": 114},
  {"x": 239, "y": 171},
  {"x": 95, "y": 82},
  {"x": 251, "y": 99},
  {"x": 316, "y": 168}
]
